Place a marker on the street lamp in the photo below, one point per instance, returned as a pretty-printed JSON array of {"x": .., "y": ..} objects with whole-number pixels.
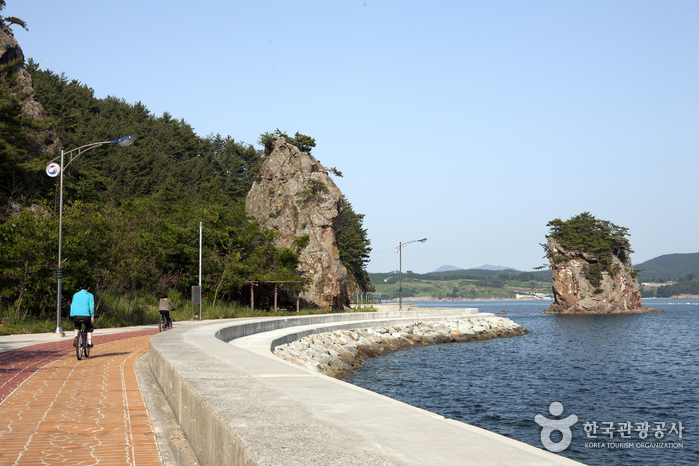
[
  {"x": 53, "y": 169},
  {"x": 399, "y": 250}
]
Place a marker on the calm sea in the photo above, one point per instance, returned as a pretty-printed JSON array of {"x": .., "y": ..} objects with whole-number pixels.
[{"x": 630, "y": 380}]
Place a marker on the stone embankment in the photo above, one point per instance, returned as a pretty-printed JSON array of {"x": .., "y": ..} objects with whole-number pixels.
[{"x": 340, "y": 352}]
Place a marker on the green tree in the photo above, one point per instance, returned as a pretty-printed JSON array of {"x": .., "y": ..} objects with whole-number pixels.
[
  {"x": 6, "y": 20},
  {"x": 131, "y": 215},
  {"x": 354, "y": 245},
  {"x": 599, "y": 240},
  {"x": 303, "y": 142},
  {"x": 18, "y": 134},
  {"x": 683, "y": 288},
  {"x": 28, "y": 252}
]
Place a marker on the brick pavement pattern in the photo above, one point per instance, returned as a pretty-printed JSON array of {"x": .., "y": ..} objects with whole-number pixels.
[{"x": 76, "y": 412}]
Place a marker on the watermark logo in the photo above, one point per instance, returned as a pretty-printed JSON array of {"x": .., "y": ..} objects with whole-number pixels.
[
  {"x": 603, "y": 433},
  {"x": 548, "y": 426}
]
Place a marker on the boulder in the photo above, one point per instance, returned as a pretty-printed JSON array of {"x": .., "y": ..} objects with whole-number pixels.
[{"x": 295, "y": 196}]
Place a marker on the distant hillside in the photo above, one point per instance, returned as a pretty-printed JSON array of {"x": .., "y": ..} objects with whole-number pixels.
[
  {"x": 446, "y": 268},
  {"x": 668, "y": 267},
  {"x": 496, "y": 282},
  {"x": 460, "y": 274},
  {"x": 463, "y": 284},
  {"x": 493, "y": 267}
]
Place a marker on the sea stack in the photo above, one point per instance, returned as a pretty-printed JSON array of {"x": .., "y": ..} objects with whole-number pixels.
[{"x": 591, "y": 268}]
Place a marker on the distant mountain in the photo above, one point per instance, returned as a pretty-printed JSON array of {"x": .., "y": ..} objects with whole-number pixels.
[
  {"x": 446, "y": 268},
  {"x": 668, "y": 266},
  {"x": 493, "y": 267}
]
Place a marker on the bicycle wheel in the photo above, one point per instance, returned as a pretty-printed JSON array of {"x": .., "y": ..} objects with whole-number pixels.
[
  {"x": 86, "y": 348},
  {"x": 79, "y": 347}
]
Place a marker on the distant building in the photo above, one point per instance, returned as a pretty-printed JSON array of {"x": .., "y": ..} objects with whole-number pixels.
[
  {"x": 533, "y": 296},
  {"x": 656, "y": 285}
]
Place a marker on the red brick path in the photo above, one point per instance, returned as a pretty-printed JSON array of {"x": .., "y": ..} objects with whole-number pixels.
[{"x": 55, "y": 409}]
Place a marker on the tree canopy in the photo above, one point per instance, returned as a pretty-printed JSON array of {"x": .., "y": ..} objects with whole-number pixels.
[
  {"x": 10, "y": 19},
  {"x": 131, "y": 215},
  {"x": 303, "y": 142},
  {"x": 586, "y": 233},
  {"x": 18, "y": 132},
  {"x": 599, "y": 240},
  {"x": 353, "y": 244}
]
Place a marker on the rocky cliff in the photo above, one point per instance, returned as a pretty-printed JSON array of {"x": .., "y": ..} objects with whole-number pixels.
[
  {"x": 295, "y": 196},
  {"x": 575, "y": 293},
  {"x": 47, "y": 142}
]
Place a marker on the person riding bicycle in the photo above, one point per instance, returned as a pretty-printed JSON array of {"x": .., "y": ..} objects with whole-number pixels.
[
  {"x": 164, "y": 309},
  {"x": 82, "y": 310}
]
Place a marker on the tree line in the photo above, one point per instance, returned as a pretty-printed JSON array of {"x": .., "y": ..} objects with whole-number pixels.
[{"x": 131, "y": 215}]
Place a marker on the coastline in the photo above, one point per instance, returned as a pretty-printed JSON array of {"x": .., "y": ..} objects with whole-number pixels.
[
  {"x": 432, "y": 299},
  {"x": 641, "y": 310},
  {"x": 238, "y": 403},
  {"x": 338, "y": 353}
]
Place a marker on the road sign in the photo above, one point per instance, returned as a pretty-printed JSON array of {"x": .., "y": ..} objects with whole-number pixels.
[{"x": 53, "y": 169}]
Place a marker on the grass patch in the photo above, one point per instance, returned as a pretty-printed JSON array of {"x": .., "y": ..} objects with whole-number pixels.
[{"x": 134, "y": 309}]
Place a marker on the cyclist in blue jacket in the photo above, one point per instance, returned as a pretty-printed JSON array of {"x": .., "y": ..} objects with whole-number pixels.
[{"x": 82, "y": 309}]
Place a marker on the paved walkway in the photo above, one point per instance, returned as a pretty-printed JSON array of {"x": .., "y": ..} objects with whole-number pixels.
[{"x": 55, "y": 409}]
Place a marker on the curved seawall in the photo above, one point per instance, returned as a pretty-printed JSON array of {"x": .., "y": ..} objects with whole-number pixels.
[
  {"x": 338, "y": 353},
  {"x": 238, "y": 404}
]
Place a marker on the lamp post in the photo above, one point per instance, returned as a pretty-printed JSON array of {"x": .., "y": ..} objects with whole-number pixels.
[
  {"x": 53, "y": 169},
  {"x": 399, "y": 250}
]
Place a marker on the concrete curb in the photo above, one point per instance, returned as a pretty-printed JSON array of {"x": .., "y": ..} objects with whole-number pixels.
[
  {"x": 173, "y": 446},
  {"x": 239, "y": 404}
]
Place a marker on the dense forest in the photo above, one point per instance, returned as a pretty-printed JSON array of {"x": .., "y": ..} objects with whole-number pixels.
[
  {"x": 668, "y": 267},
  {"x": 131, "y": 215},
  {"x": 686, "y": 286},
  {"x": 678, "y": 272}
]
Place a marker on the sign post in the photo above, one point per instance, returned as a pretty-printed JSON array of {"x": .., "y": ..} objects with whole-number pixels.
[{"x": 196, "y": 299}]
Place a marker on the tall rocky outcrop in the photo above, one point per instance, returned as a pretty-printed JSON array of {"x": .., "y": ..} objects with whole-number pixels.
[
  {"x": 294, "y": 196},
  {"x": 575, "y": 293},
  {"x": 47, "y": 142}
]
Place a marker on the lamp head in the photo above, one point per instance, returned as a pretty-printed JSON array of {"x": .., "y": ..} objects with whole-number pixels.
[{"x": 126, "y": 141}]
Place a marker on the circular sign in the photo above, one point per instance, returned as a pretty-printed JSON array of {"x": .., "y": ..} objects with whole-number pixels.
[{"x": 53, "y": 169}]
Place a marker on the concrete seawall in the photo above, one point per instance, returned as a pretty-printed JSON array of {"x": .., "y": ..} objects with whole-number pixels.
[{"x": 239, "y": 404}]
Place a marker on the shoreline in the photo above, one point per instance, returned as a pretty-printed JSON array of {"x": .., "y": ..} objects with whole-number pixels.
[
  {"x": 642, "y": 310},
  {"x": 339, "y": 353},
  {"x": 241, "y": 404},
  {"x": 432, "y": 299}
]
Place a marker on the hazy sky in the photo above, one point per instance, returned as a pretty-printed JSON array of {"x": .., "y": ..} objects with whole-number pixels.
[{"x": 471, "y": 123}]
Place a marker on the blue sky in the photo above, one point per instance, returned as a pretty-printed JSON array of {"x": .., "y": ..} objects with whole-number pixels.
[{"x": 470, "y": 123}]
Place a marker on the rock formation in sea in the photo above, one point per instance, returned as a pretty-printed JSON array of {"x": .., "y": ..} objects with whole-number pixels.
[
  {"x": 46, "y": 142},
  {"x": 295, "y": 196},
  {"x": 575, "y": 290}
]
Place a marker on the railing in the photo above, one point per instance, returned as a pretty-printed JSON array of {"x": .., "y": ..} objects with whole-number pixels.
[{"x": 368, "y": 297}]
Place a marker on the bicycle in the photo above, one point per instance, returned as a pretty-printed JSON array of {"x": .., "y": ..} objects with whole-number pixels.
[
  {"x": 81, "y": 348},
  {"x": 163, "y": 323}
]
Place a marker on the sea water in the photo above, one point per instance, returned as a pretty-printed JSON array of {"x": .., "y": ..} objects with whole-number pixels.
[{"x": 631, "y": 380}]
